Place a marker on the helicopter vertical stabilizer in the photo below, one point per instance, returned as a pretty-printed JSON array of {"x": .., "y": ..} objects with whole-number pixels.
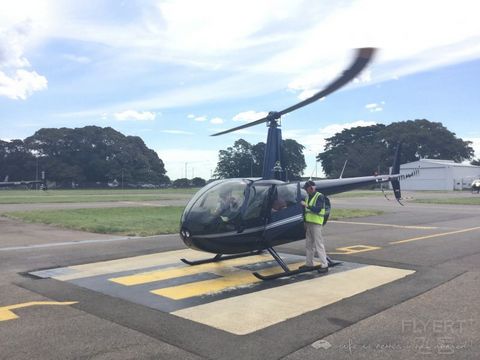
[{"x": 395, "y": 171}]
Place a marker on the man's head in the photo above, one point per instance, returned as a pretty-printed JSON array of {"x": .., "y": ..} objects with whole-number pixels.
[{"x": 309, "y": 186}]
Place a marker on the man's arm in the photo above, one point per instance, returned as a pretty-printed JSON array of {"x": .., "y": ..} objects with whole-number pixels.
[{"x": 319, "y": 205}]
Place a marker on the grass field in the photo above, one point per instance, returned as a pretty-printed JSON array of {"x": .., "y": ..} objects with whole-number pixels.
[
  {"x": 128, "y": 221},
  {"x": 474, "y": 200},
  {"x": 133, "y": 221},
  {"x": 79, "y": 196}
]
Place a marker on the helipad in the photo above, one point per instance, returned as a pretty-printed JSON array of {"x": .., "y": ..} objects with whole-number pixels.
[{"x": 224, "y": 295}]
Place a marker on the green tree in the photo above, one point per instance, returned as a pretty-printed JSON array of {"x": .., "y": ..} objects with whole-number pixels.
[
  {"x": 371, "y": 148},
  {"x": 198, "y": 182},
  {"x": 236, "y": 161},
  {"x": 17, "y": 161},
  {"x": 181, "y": 183},
  {"x": 358, "y": 146},
  {"x": 293, "y": 160},
  {"x": 246, "y": 160},
  {"x": 93, "y": 154}
]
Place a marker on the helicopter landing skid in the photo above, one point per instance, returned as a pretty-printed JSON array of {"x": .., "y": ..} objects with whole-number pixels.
[
  {"x": 219, "y": 257},
  {"x": 288, "y": 272}
]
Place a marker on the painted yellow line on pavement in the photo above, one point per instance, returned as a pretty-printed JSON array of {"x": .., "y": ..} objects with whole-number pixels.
[
  {"x": 254, "y": 311},
  {"x": 386, "y": 225},
  {"x": 234, "y": 279},
  {"x": 7, "y": 314},
  {"x": 435, "y": 235},
  {"x": 354, "y": 249},
  {"x": 174, "y": 272}
]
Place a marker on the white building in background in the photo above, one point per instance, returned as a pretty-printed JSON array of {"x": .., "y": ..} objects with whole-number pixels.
[{"x": 439, "y": 175}]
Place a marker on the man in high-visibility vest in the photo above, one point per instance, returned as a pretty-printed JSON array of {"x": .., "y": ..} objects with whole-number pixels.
[{"x": 314, "y": 215}]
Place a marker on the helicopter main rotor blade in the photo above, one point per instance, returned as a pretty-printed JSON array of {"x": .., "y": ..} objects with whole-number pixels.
[
  {"x": 253, "y": 123},
  {"x": 362, "y": 58}
]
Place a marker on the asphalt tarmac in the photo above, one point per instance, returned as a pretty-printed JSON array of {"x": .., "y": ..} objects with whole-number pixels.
[{"x": 429, "y": 311}]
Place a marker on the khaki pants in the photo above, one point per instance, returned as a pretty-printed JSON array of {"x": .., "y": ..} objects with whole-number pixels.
[{"x": 315, "y": 245}]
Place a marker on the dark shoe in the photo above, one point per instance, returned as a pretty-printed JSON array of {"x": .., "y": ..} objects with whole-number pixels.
[
  {"x": 305, "y": 267},
  {"x": 323, "y": 270}
]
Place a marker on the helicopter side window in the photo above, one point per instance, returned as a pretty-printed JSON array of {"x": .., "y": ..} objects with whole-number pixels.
[
  {"x": 285, "y": 196},
  {"x": 256, "y": 203}
]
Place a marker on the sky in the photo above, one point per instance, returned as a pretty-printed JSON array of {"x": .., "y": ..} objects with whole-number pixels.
[{"x": 176, "y": 71}]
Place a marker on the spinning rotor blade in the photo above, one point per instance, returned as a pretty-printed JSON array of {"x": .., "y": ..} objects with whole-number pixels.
[{"x": 362, "y": 58}]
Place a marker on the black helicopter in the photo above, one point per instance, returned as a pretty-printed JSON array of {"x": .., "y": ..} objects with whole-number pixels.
[{"x": 244, "y": 216}]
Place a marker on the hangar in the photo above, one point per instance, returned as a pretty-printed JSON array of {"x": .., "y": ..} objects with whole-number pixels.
[{"x": 439, "y": 175}]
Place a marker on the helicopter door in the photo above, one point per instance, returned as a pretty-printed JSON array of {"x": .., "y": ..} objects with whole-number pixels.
[
  {"x": 286, "y": 212},
  {"x": 285, "y": 201},
  {"x": 255, "y": 210}
]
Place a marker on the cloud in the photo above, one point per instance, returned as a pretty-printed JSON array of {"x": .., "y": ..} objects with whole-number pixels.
[
  {"x": 198, "y": 118},
  {"x": 22, "y": 84},
  {"x": 77, "y": 58},
  {"x": 15, "y": 81},
  {"x": 196, "y": 162},
  {"x": 250, "y": 115},
  {"x": 177, "y": 132},
  {"x": 374, "y": 107},
  {"x": 216, "y": 121},
  {"x": 475, "y": 145},
  {"x": 135, "y": 115},
  {"x": 210, "y": 33},
  {"x": 276, "y": 43}
]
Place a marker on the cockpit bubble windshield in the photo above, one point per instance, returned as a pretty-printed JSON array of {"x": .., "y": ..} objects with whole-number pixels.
[{"x": 224, "y": 200}]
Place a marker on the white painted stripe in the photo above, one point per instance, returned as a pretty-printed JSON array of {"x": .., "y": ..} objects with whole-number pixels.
[
  {"x": 386, "y": 225},
  {"x": 251, "y": 312},
  {"x": 132, "y": 263},
  {"x": 80, "y": 242}
]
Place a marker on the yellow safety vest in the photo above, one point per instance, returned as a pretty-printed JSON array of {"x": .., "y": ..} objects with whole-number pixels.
[{"x": 310, "y": 216}]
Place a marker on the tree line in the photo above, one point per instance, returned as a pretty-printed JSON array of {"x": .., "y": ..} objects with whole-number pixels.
[
  {"x": 92, "y": 156},
  {"x": 371, "y": 149},
  {"x": 85, "y": 156}
]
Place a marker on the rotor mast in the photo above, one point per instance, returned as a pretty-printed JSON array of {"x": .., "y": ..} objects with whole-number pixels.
[{"x": 272, "y": 164}]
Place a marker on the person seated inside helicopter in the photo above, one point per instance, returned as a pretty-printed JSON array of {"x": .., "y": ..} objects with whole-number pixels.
[
  {"x": 278, "y": 204},
  {"x": 227, "y": 206}
]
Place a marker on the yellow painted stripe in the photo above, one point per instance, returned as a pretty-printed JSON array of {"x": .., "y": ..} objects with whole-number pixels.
[
  {"x": 386, "y": 225},
  {"x": 174, "y": 272},
  {"x": 435, "y": 235},
  {"x": 354, "y": 249},
  {"x": 235, "y": 279},
  {"x": 7, "y": 314},
  {"x": 254, "y": 311}
]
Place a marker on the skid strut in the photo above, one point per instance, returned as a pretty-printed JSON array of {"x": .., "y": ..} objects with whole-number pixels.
[{"x": 288, "y": 272}]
